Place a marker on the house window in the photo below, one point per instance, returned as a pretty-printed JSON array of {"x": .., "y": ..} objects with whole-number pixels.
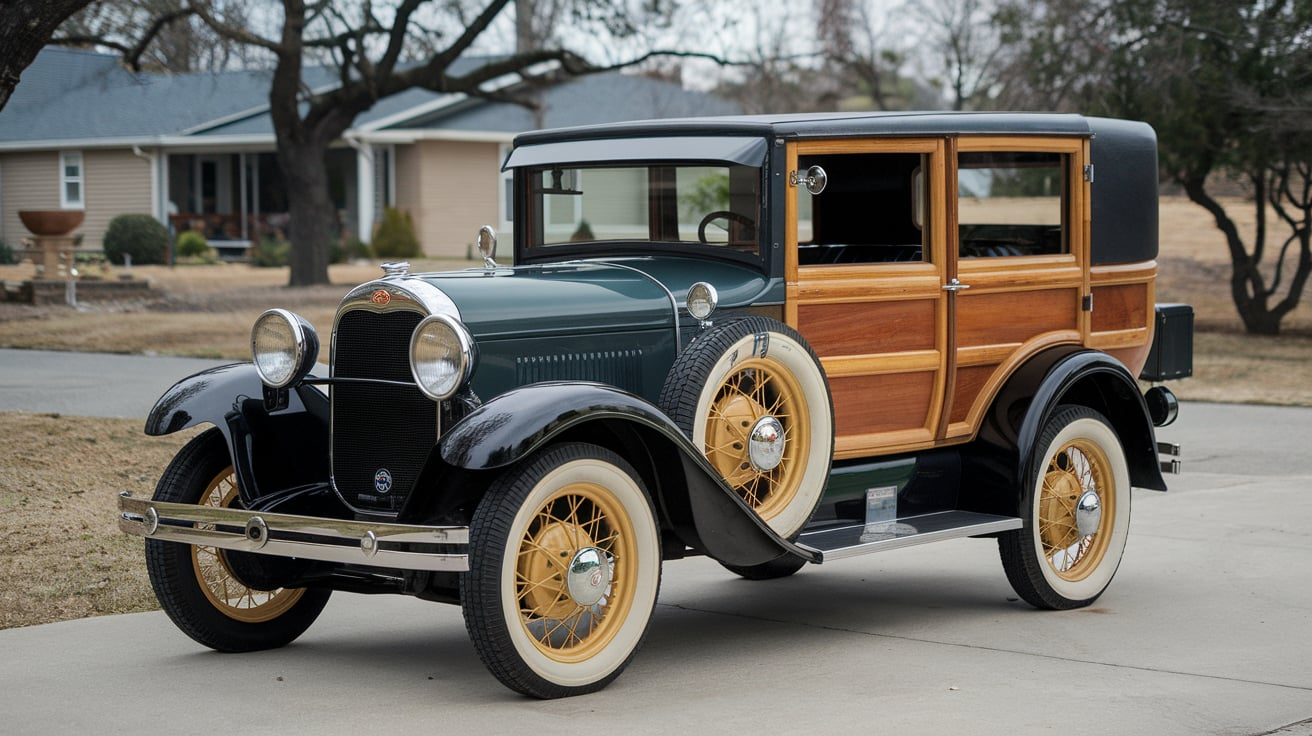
[{"x": 70, "y": 180}]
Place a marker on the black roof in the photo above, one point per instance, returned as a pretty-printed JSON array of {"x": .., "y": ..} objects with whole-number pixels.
[{"x": 829, "y": 125}]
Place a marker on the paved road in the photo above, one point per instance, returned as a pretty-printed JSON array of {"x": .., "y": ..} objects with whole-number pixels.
[
  {"x": 1204, "y": 631},
  {"x": 89, "y": 384}
]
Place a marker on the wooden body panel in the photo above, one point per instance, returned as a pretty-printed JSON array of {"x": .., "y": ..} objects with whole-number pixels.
[
  {"x": 1122, "y": 319},
  {"x": 880, "y": 329}
]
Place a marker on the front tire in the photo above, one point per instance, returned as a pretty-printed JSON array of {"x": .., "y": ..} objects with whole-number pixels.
[
  {"x": 195, "y": 585},
  {"x": 565, "y": 566},
  {"x": 1066, "y": 553}
]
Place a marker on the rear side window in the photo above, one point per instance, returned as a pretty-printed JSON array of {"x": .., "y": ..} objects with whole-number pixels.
[{"x": 1012, "y": 203}]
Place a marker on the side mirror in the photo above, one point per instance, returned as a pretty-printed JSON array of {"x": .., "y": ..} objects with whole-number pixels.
[
  {"x": 814, "y": 181},
  {"x": 487, "y": 246}
]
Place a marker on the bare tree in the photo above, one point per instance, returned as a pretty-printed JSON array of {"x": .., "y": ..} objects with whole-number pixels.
[
  {"x": 26, "y": 26},
  {"x": 373, "y": 52},
  {"x": 967, "y": 43},
  {"x": 159, "y": 35},
  {"x": 858, "y": 52},
  {"x": 1227, "y": 86}
]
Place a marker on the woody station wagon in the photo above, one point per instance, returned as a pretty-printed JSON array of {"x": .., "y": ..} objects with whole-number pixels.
[{"x": 771, "y": 341}]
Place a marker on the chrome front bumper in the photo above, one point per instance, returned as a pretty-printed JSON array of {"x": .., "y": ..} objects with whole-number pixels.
[{"x": 287, "y": 535}]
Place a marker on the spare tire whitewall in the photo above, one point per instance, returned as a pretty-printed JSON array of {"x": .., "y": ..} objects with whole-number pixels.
[{"x": 753, "y": 396}]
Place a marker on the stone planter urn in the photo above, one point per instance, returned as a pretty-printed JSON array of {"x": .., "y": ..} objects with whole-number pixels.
[{"x": 52, "y": 229}]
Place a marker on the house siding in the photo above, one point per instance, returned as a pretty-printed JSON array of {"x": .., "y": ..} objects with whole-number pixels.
[
  {"x": 30, "y": 181},
  {"x": 117, "y": 183},
  {"x": 450, "y": 190},
  {"x": 114, "y": 183}
]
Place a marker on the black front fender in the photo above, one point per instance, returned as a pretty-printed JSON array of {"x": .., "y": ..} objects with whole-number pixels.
[
  {"x": 691, "y": 498},
  {"x": 270, "y": 450}
]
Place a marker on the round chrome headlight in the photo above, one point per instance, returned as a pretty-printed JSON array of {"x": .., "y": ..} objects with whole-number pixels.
[
  {"x": 441, "y": 356},
  {"x": 702, "y": 300},
  {"x": 284, "y": 347}
]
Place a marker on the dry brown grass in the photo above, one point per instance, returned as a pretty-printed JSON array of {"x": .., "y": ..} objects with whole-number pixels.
[
  {"x": 64, "y": 557},
  {"x": 60, "y": 475}
]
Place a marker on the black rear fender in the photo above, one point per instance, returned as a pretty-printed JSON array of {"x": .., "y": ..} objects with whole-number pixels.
[
  {"x": 270, "y": 450},
  {"x": 691, "y": 499},
  {"x": 1000, "y": 459}
]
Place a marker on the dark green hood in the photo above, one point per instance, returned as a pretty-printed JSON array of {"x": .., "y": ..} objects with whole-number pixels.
[{"x": 572, "y": 299}]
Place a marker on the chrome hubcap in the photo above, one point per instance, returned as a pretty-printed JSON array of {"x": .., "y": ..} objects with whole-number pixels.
[
  {"x": 765, "y": 445},
  {"x": 588, "y": 577},
  {"x": 1088, "y": 513}
]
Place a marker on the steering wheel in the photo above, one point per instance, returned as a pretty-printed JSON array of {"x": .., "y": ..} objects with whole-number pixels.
[{"x": 729, "y": 215}]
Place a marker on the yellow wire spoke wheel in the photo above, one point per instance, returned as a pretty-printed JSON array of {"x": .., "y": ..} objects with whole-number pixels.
[
  {"x": 195, "y": 584},
  {"x": 753, "y": 396},
  {"x": 1076, "y": 513},
  {"x": 576, "y": 519},
  {"x": 227, "y": 594},
  {"x": 565, "y": 561},
  {"x": 1078, "y": 469}
]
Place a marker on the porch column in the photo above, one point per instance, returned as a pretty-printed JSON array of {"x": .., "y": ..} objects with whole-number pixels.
[{"x": 364, "y": 192}]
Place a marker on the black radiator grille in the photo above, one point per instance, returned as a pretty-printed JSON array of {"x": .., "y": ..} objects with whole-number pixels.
[{"x": 378, "y": 428}]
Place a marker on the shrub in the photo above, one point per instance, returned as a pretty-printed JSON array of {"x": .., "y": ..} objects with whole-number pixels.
[
  {"x": 191, "y": 244},
  {"x": 7, "y": 254},
  {"x": 396, "y": 236},
  {"x": 141, "y": 236},
  {"x": 271, "y": 253},
  {"x": 349, "y": 250}
]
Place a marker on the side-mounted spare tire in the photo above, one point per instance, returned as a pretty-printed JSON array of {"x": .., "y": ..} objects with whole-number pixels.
[{"x": 753, "y": 396}]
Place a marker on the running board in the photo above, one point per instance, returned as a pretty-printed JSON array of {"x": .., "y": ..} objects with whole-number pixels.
[{"x": 860, "y": 539}]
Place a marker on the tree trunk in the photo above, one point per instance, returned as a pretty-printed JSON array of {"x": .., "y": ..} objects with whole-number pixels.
[
  {"x": 26, "y": 26},
  {"x": 1247, "y": 285},
  {"x": 310, "y": 209}
]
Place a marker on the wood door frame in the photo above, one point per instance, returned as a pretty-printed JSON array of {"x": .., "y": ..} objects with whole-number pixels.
[
  {"x": 1065, "y": 275},
  {"x": 881, "y": 285}
]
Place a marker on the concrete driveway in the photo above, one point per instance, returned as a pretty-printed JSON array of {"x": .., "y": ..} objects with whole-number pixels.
[{"x": 1204, "y": 631}]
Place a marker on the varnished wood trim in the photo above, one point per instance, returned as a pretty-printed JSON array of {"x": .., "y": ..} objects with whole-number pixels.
[
  {"x": 860, "y": 328},
  {"x": 1069, "y": 144},
  {"x": 1119, "y": 307},
  {"x": 869, "y": 404},
  {"x": 882, "y": 364},
  {"x": 871, "y": 145},
  {"x": 1110, "y": 339},
  {"x": 1123, "y": 273},
  {"x": 1027, "y": 350},
  {"x": 1003, "y": 317},
  {"x": 906, "y": 440}
]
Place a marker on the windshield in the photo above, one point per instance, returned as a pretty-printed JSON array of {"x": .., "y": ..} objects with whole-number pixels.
[{"x": 715, "y": 205}]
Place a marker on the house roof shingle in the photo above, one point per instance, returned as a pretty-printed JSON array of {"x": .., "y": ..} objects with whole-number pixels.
[{"x": 82, "y": 96}]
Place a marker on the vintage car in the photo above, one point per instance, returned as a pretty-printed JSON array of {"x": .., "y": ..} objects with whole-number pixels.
[{"x": 769, "y": 340}]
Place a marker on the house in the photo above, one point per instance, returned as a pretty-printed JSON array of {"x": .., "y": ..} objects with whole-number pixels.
[{"x": 196, "y": 151}]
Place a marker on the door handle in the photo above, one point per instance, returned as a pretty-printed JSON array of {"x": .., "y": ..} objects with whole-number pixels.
[{"x": 955, "y": 285}]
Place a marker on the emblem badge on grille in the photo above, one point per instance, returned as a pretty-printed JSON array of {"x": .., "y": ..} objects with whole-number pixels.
[
  {"x": 382, "y": 297},
  {"x": 383, "y": 480}
]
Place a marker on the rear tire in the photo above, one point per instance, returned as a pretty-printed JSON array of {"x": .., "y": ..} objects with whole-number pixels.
[
  {"x": 1065, "y": 556},
  {"x": 194, "y": 584}
]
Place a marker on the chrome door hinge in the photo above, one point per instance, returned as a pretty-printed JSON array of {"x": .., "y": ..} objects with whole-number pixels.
[
  {"x": 1088, "y": 173},
  {"x": 1086, "y": 303}
]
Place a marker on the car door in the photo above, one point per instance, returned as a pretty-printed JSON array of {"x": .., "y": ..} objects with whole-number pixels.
[
  {"x": 1017, "y": 263},
  {"x": 865, "y": 266}
]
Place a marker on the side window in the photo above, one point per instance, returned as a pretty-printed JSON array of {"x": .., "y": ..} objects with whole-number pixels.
[
  {"x": 70, "y": 180},
  {"x": 871, "y": 210},
  {"x": 1011, "y": 203}
]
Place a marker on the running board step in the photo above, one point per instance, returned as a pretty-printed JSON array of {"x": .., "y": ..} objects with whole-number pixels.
[{"x": 859, "y": 539}]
